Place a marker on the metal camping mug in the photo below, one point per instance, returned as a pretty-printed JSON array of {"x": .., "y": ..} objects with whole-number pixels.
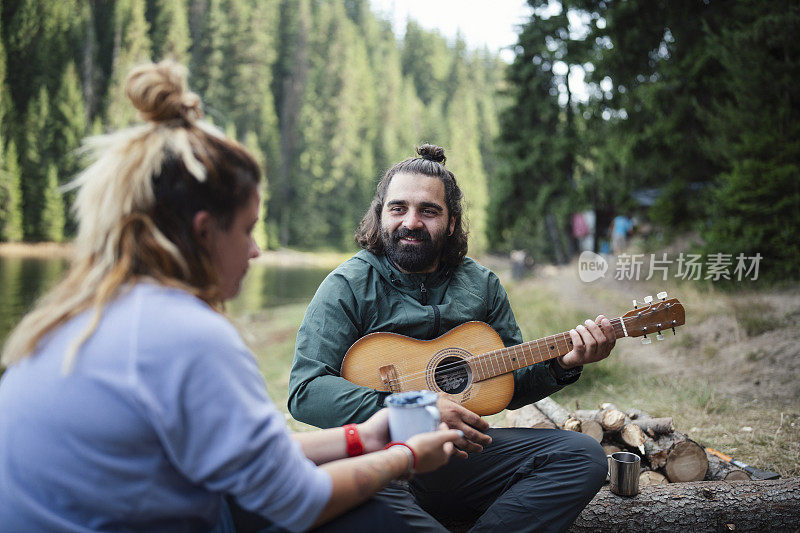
[
  {"x": 623, "y": 473},
  {"x": 412, "y": 412}
]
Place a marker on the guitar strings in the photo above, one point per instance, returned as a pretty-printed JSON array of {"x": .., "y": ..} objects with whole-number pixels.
[{"x": 452, "y": 368}]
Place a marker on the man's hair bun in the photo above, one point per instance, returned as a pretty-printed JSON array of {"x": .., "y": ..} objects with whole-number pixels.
[
  {"x": 431, "y": 152},
  {"x": 159, "y": 92}
]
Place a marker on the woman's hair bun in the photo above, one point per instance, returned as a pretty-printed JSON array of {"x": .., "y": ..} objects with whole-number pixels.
[
  {"x": 431, "y": 152},
  {"x": 159, "y": 92}
]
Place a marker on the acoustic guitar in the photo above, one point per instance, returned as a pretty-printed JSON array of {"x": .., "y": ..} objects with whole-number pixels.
[{"x": 470, "y": 365}]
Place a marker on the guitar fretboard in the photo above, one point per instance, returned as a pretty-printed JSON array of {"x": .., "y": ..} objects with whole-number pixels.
[{"x": 505, "y": 360}]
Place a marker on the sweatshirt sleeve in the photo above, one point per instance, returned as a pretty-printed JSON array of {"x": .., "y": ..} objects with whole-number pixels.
[
  {"x": 318, "y": 395},
  {"x": 531, "y": 383},
  {"x": 208, "y": 404}
]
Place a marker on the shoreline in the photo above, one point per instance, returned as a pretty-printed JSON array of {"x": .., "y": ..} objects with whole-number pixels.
[{"x": 282, "y": 257}]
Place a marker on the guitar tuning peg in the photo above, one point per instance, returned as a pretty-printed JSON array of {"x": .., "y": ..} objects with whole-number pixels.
[
  {"x": 645, "y": 340},
  {"x": 635, "y": 305},
  {"x": 648, "y": 299},
  {"x": 662, "y": 295},
  {"x": 660, "y": 336}
]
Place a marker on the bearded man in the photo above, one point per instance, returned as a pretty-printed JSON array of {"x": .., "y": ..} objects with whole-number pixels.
[{"x": 413, "y": 278}]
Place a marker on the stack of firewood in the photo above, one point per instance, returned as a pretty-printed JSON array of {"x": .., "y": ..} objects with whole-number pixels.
[
  {"x": 681, "y": 487},
  {"x": 668, "y": 456}
]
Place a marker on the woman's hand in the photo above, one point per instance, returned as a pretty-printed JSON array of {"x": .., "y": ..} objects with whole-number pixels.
[
  {"x": 375, "y": 431},
  {"x": 435, "y": 448}
]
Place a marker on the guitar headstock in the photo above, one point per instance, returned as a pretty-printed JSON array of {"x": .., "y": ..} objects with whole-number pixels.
[{"x": 654, "y": 317}]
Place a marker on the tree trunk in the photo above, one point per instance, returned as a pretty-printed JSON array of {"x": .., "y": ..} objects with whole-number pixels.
[{"x": 772, "y": 506}]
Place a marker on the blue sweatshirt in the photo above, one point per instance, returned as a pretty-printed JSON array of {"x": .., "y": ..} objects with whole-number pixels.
[{"x": 164, "y": 413}]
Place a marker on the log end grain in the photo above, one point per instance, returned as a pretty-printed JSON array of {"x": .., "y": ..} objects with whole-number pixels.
[{"x": 686, "y": 461}]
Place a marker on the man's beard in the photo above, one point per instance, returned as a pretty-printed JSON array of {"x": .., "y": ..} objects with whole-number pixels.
[{"x": 413, "y": 257}]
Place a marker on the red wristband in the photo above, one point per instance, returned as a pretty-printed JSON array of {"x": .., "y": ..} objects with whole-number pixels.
[
  {"x": 353, "y": 440},
  {"x": 413, "y": 453}
]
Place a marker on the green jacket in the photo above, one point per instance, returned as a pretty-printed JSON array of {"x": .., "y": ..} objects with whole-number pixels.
[{"x": 367, "y": 294}]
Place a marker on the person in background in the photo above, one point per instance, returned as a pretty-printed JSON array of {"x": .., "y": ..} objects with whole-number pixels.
[
  {"x": 130, "y": 402},
  {"x": 413, "y": 278},
  {"x": 620, "y": 227}
]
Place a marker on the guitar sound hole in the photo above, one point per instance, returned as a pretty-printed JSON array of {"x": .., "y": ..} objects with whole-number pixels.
[{"x": 452, "y": 375}]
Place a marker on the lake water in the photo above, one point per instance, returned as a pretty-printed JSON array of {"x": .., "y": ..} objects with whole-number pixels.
[{"x": 23, "y": 280}]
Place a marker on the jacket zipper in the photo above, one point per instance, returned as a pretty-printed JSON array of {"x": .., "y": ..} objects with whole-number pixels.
[{"x": 436, "y": 314}]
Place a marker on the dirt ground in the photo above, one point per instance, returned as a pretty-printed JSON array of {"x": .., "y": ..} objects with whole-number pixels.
[{"x": 746, "y": 343}]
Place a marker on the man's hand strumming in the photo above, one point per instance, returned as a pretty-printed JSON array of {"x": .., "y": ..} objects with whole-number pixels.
[{"x": 459, "y": 417}]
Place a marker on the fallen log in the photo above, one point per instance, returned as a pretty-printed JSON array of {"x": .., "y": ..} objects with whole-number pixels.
[
  {"x": 719, "y": 470},
  {"x": 528, "y": 417},
  {"x": 702, "y": 506}
]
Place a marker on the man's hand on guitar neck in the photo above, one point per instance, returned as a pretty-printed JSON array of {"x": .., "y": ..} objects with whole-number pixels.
[
  {"x": 458, "y": 417},
  {"x": 591, "y": 342}
]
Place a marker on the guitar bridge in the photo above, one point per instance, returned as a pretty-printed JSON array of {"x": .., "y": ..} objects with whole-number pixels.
[{"x": 389, "y": 378}]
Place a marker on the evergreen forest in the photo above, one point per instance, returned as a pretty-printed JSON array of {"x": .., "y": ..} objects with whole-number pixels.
[{"x": 687, "y": 116}]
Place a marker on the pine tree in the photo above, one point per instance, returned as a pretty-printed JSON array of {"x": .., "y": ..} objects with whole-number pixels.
[
  {"x": 291, "y": 70},
  {"x": 531, "y": 195},
  {"x": 260, "y": 232},
  {"x": 69, "y": 126},
  {"x": 36, "y": 157},
  {"x": 10, "y": 196},
  {"x": 466, "y": 162},
  {"x": 53, "y": 218},
  {"x": 131, "y": 46},
  {"x": 338, "y": 133},
  {"x": 170, "y": 30},
  {"x": 756, "y": 201}
]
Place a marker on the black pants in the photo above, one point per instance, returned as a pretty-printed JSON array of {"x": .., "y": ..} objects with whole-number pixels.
[{"x": 526, "y": 480}]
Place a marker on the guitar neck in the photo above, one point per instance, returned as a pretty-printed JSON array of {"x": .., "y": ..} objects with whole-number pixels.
[{"x": 505, "y": 360}]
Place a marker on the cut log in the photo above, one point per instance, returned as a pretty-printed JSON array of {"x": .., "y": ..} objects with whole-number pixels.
[
  {"x": 593, "y": 429},
  {"x": 649, "y": 424},
  {"x": 651, "y": 477},
  {"x": 573, "y": 424},
  {"x": 698, "y": 507},
  {"x": 632, "y": 436},
  {"x": 611, "y": 448},
  {"x": 655, "y": 455},
  {"x": 610, "y": 419},
  {"x": 686, "y": 460},
  {"x": 528, "y": 417},
  {"x": 655, "y": 426},
  {"x": 719, "y": 470},
  {"x": 556, "y": 413}
]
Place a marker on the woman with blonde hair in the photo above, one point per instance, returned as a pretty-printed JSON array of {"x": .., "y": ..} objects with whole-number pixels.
[{"x": 130, "y": 402}]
